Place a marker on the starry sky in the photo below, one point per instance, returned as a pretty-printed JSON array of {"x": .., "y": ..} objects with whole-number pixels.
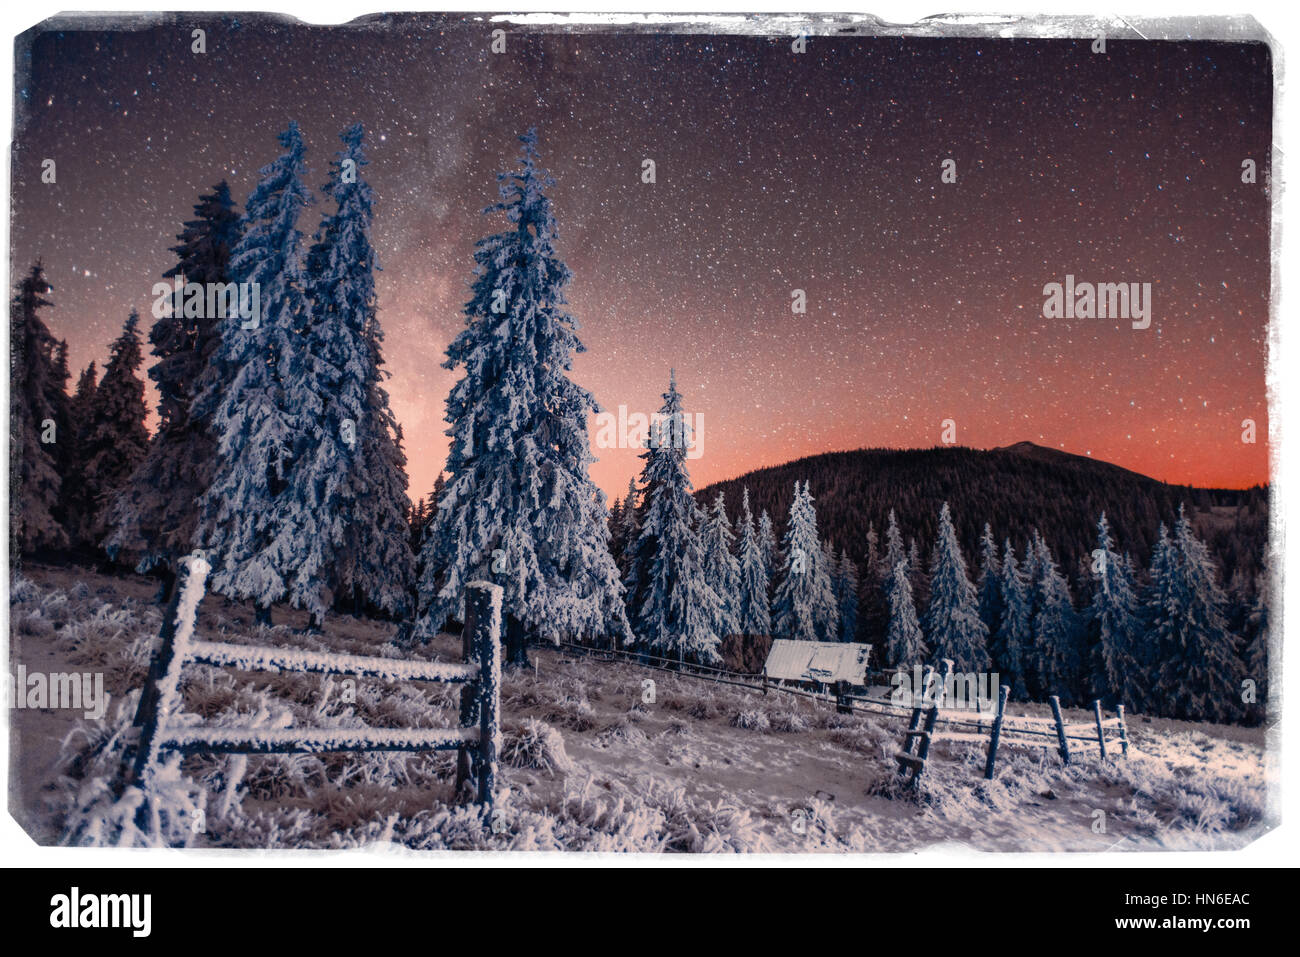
[{"x": 775, "y": 171}]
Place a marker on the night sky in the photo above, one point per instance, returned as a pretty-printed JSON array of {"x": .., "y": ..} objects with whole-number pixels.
[{"x": 775, "y": 171}]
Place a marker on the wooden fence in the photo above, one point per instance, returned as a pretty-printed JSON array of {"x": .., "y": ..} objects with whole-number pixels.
[
  {"x": 1002, "y": 730},
  {"x": 928, "y": 722},
  {"x": 476, "y": 740}
]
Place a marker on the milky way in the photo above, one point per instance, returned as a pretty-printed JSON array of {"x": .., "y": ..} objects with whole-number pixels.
[{"x": 774, "y": 171}]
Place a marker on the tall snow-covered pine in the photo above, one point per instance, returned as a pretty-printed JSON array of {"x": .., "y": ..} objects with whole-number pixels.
[
  {"x": 675, "y": 609},
  {"x": 519, "y": 507},
  {"x": 952, "y": 619}
]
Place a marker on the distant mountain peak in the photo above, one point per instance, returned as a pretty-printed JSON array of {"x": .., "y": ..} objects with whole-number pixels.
[{"x": 1025, "y": 446}]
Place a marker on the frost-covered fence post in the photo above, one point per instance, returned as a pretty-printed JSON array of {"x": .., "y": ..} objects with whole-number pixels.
[
  {"x": 932, "y": 717},
  {"x": 466, "y": 769},
  {"x": 996, "y": 735},
  {"x": 934, "y": 688},
  {"x": 842, "y": 705},
  {"x": 161, "y": 694},
  {"x": 905, "y": 757},
  {"x": 1101, "y": 733},
  {"x": 1060, "y": 729},
  {"x": 485, "y": 600},
  {"x": 163, "y": 680},
  {"x": 1123, "y": 730}
]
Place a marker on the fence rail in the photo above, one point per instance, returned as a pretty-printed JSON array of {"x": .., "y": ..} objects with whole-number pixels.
[{"x": 476, "y": 739}]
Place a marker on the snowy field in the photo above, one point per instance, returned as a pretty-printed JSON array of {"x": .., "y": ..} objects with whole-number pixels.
[{"x": 587, "y": 765}]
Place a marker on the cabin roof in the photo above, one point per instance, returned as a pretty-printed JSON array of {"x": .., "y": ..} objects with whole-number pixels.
[{"x": 823, "y": 661}]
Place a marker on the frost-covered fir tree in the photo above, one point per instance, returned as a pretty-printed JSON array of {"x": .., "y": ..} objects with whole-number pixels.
[
  {"x": 34, "y": 478},
  {"x": 116, "y": 440},
  {"x": 520, "y": 508},
  {"x": 260, "y": 400},
  {"x": 66, "y": 453},
  {"x": 952, "y": 619},
  {"x": 768, "y": 546},
  {"x": 349, "y": 480},
  {"x": 615, "y": 520},
  {"x": 848, "y": 596},
  {"x": 154, "y": 516},
  {"x": 755, "y": 611},
  {"x": 895, "y": 551},
  {"x": 904, "y": 642},
  {"x": 1254, "y": 656},
  {"x": 83, "y": 399},
  {"x": 629, "y": 527},
  {"x": 1114, "y": 630},
  {"x": 916, "y": 567},
  {"x": 1032, "y": 567},
  {"x": 675, "y": 609},
  {"x": 872, "y": 616},
  {"x": 804, "y": 608},
  {"x": 1199, "y": 672},
  {"x": 721, "y": 567},
  {"x": 77, "y": 496},
  {"x": 989, "y": 584},
  {"x": 1058, "y": 636},
  {"x": 1013, "y": 641}
]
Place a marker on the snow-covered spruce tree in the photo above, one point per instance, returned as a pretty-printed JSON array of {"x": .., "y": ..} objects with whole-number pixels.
[
  {"x": 76, "y": 498},
  {"x": 519, "y": 507},
  {"x": 629, "y": 527},
  {"x": 260, "y": 400},
  {"x": 83, "y": 399},
  {"x": 154, "y": 516},
  {"x": 952, "y": 619},
  {"x": 614, "y": 521},
  {"x": 872, "y": 616},
  {"x": 1058, "y": 634},
  {"x": 1254, "y": 654},
  {"x": 1114, "y": 630},
  {"x": 989, "y": 584},
  {"x": 1013, "y": 641},
  {"x": 1199, "y": 671},
  {"x": 676, "y": 610},
  {"x": 34, "y": 478},
  {"x": 1033, "y": 568},
  {"x": 116, "y": 440},
  {"x": 349, "y": 480},
  {"x": 768, "y": 547},
  {"x": 848, "y": 597},
  {"x": 422, "y": 517},
  {"x": 904, "y": 642},
  {"x": 755, "y": 610},
  {"x": 895, "y": 552},
  {"x": 66, "y": 452},
  {"x": 721, "y": 568},
  {"x": 418, "y": 515},
  {"x": 804, "y": 608}
]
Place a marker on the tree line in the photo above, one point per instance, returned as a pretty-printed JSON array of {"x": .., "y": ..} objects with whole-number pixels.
[
  {"x": 1166, "y": 640},
  {"x": 276, "y": 452}
]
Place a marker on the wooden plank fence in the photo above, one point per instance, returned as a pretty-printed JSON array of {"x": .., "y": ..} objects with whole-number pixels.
[{"x": 476, "y": 739}]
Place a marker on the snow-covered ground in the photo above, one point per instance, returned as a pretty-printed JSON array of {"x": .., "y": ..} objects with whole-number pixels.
[{"x": 588, "y": 763}]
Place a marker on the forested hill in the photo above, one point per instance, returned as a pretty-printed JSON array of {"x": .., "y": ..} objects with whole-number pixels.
[{"x": 1016, "y": 489}]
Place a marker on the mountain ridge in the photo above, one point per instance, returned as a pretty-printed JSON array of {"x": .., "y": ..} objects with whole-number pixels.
[{"x": 1015, "y": 488}]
